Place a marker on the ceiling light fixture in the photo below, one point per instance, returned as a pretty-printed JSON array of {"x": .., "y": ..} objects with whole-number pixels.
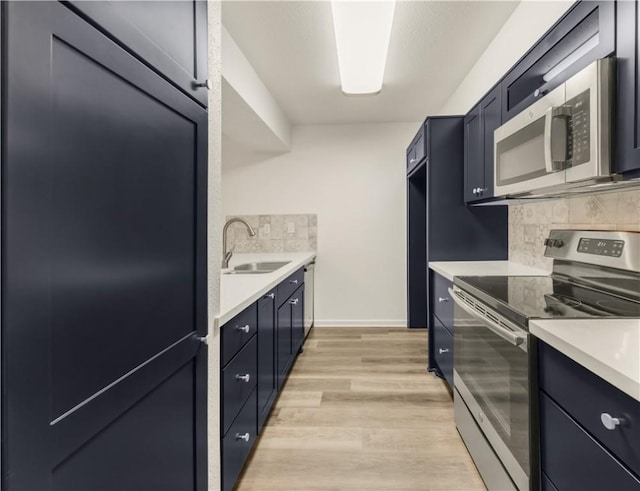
[{"x": 363, "y": 32}]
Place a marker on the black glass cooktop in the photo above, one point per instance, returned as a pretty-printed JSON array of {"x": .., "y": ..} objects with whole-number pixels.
[{"x": 525, "y": 297}]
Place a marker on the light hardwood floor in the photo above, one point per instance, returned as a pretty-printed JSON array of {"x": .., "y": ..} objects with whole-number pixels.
[{"x": 360, "y": 412}]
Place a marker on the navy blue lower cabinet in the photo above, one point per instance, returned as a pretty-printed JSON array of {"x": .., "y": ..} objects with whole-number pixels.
[
  {"x": 238, "y": 443},
  {"x": 573, "y": 459},
  {"x": 443, "y": 351},
  {"x": 290, "y": 327},
  {"x": 577, "y": 450},
  {"x": 267, "y": 360}
]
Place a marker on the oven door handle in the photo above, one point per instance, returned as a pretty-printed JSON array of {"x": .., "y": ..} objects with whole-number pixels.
[{"x": 496, "y": 328}]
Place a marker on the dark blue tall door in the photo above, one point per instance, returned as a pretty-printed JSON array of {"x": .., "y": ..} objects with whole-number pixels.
[{"x": 103, "y": 263}]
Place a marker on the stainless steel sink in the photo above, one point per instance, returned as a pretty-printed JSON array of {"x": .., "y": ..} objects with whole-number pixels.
[{"x": 258, "y": 268}]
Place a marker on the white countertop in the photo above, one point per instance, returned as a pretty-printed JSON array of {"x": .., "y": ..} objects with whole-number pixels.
[
  {"x": 610, "y": 348},
  {"x": 238, "y": 291},
  {"x": 449, "y": 269}
]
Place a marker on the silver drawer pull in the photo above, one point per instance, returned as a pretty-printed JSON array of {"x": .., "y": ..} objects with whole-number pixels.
[
  {"x": 442, "y": 299},
  {"x": 294, "y": 301},
  {"x": 244, "y": 436},
  {"x": 609, "y": 422},
  {"x": 245, "y": 378},
  {"x": 295, "y": 282},
  {"x": 271, "y": 296},
  {"x": 443, "y": 350},
  {"x": 244, "y": 328}
]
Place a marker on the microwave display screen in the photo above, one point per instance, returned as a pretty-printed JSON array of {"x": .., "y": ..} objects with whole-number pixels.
[{"x": 580, "y": 129}]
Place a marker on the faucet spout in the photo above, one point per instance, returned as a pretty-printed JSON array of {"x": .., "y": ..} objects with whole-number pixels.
[{"x": 226, "y": 255}]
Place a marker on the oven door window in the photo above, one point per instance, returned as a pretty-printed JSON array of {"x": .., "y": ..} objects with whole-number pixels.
[{"x": 496, "y": 373}]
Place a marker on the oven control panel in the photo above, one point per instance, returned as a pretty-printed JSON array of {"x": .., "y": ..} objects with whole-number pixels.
[{"x": 601, "y": 247}]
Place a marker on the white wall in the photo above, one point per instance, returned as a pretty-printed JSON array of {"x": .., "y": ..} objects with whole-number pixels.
[
  {"x": 529, "y": 21},
  {"x": 353, "y": 178}
]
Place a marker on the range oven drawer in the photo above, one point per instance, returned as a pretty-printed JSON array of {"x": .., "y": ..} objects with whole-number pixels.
[{"x": 586, "y": 397}]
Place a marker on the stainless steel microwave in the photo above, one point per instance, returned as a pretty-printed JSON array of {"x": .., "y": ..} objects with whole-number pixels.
[{"x": 562, "y": 140}]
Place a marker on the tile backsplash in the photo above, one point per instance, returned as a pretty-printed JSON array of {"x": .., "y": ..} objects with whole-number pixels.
[
  {"x": 274, "y": 233},
  {"x": 529, "y": 223}
]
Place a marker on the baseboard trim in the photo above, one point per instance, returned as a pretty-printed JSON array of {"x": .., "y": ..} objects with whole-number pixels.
[{"x": 361, "y": 323}]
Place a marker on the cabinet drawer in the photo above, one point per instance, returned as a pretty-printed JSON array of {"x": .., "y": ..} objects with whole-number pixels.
[
  {"x": 573, "y": 460},
  {"x": 442, "y": 301},
  {"x": 585, "y": 396},
  {"x": 290, "y": 285},
  {"x": 238, "y": 331},
  {"x": 443, "y": 350},
  {"x": 235, "y": 449},
  {"x": 236, "y": 390}
]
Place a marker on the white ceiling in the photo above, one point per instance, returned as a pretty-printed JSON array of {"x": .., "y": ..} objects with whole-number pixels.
[{"x": 433, "y": 46}]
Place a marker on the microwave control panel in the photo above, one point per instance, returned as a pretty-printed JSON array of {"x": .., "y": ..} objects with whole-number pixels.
[
  {"x": 601, "y": 247},
  {"x": 578, "y": 145}
]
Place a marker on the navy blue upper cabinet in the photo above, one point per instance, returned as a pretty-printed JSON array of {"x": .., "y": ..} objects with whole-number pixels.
[
  {"x": 473, "y": 155},
  {"x": 628, "y": 104},
  {"x": 588, "y": 27},
  {"x": 416, "y": 150},
  {"x": 170, "y": 36},
  {"x": 479, "y": 126}
]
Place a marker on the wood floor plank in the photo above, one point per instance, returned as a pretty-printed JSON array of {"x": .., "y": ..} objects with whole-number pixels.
[{"x": 360, "y": 412}]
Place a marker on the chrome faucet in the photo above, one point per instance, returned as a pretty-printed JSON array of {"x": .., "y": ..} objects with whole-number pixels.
[{"x": 226, "y": 256}]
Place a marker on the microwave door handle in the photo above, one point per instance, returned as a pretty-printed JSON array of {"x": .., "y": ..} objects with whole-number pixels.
[
  {"x": 552, "y": 132},
  {"x": 504, "y": 333}
]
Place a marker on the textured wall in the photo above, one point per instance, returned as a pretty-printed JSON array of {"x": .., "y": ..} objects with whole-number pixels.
[
  {"x": 529, "y": 223},
  {"x": 214, "y": 242},
  {"x": 274, "y": 233}
]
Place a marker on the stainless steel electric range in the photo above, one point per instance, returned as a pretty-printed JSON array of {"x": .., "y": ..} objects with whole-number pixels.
[{"x": 595, "y": 274}]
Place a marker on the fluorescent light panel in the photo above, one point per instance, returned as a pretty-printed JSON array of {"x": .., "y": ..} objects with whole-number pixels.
[
  {"x": 582, "y": 50},
  {"x": 363, "y": 31}
]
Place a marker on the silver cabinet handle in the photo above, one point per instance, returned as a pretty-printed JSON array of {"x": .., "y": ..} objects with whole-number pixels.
[
  {"x": 244, "y": 328},
  {"x": 245, "y": 378},
  {"x": 207, "y": 84},
  {"x": 442, "y": 299},
  {"x": 295, "y": 282},
  {"x": 609, "y": 422},
  {"x": 294, "y": 301},
  {"x": 244, "y": 436},
  {"x": 271, "y": 296},
  {"x": 443, "y": 350},
  {"x": 411, "y": 161}
]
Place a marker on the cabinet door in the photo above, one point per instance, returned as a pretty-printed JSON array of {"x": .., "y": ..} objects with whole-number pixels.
[
  {"x": 297, "y": 320},
  {"x": 590, "y": 23},
  {"x": 491, "y": 119},
  {"x": 171, "y": 36},
  {"x": 628, "y": 106},
  {"x": 103, "y": 264},
  {"x": 284, "y": 342},
  {"x": 473, "y": 155},
  {"x": 267, "y": 367}
]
